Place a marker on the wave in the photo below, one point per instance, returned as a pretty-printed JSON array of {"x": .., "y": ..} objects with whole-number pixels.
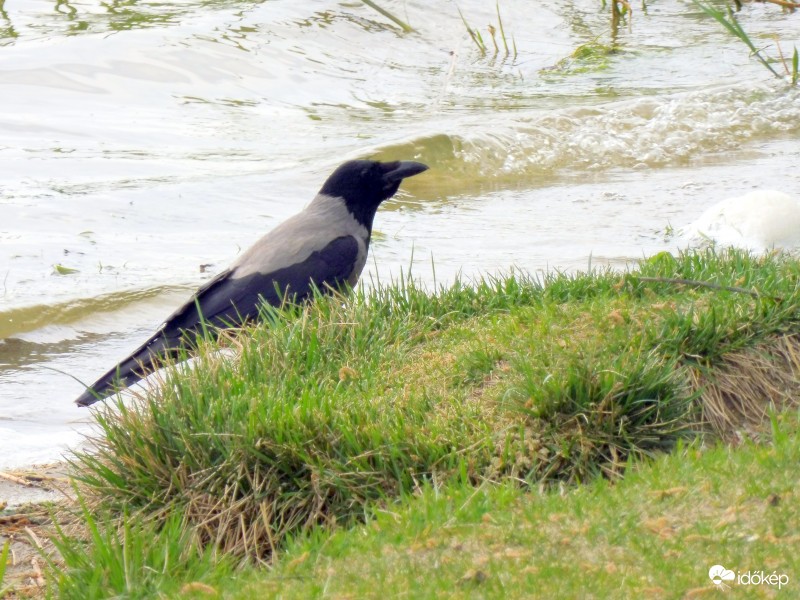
[
  {"x": 103, "y": 310},
  {"x": 642, "y": 133}
]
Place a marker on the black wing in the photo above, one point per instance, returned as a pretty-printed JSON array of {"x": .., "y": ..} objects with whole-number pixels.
[{"x": 228, "y": 301}]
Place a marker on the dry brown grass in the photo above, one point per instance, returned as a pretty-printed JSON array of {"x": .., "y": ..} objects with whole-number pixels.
[{"x": 737, "y": 395}]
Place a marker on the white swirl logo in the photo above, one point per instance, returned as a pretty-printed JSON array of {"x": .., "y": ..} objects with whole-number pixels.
[{"x": 718, "y": 574}]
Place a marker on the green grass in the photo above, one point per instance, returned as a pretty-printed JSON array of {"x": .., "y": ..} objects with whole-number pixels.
[
  {"x": 335, "y": 411},
  {"x": 653, "y": 535},
  {"x": 135, "y": 559},
  {"x": 4, "y": 555}
]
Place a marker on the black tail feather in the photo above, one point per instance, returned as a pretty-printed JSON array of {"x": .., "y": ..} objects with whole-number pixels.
[{"x": 149, "y": 357}]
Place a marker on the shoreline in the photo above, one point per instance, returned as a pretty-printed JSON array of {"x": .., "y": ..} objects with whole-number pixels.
[
  {"x": 25, "y": 522},
  {"x": 26, "y": 498},
  {"x": 34, "y": 484}
]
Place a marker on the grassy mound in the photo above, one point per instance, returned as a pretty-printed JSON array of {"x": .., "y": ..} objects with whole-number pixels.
[
  {"x": 330, "y": 408},
  {"x": 654, "y": 534}
]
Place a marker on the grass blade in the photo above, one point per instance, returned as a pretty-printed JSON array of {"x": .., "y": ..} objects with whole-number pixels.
[
  {"x": 732, "y": 25},
  {"x": 3, "y": 565},
  {"x": 476, "y": 37},
  {"x": 502, "y": 31},
  {"x": 402, "y": 24}
]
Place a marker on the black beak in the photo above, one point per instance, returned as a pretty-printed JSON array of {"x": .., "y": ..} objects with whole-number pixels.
[{"x": 404, "y": 169}]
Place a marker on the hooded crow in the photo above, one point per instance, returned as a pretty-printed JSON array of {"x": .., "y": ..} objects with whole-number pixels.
[{"x": 324, "y": 247}]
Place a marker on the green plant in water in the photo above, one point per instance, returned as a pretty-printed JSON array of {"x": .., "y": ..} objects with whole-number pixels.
[
  {"x": 503, "y": 33},
  {"x": 477, "y": 38},
  {"x": 619, "y": 10},
  {"x": 730, "y": 23},
  {"x": 402, "y": 24},
  {"x": 589, "y": 57},
  {"x": 474, "y": 34},
  {"x": 791, "y": 74},
  {"x": 60, "y": 269}
]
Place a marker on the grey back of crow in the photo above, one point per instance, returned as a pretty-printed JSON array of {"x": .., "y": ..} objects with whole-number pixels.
[{"x": 324, "y": 247}]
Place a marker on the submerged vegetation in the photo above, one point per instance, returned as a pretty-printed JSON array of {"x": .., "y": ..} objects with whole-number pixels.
[
  {"x": 590, "y": 57},
  {"x": 332, "y": 411}
]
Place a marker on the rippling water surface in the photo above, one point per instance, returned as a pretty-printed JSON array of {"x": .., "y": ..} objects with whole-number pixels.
[{"x": 144, "y": 144}]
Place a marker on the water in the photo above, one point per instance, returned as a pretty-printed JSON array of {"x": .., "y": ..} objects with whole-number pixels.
[{"x": 145, "y": 144}]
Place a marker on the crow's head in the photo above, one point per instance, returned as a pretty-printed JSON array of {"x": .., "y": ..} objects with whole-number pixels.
[{"x": 364, "y": 184}]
